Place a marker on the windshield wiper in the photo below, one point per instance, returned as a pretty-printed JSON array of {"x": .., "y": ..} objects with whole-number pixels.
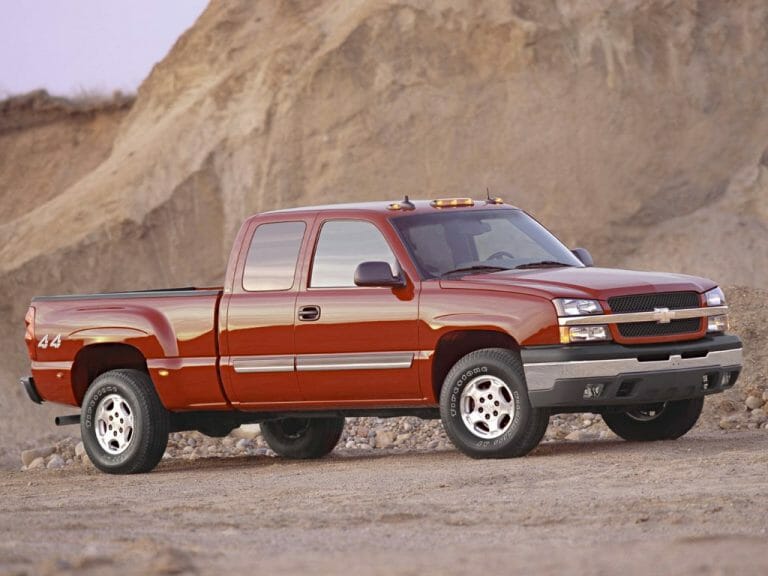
[
  {"x": 475, "y": 268},
  {"x": 542, "y": 264}
]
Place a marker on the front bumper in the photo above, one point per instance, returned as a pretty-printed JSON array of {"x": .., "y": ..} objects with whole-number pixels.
[
  {"x": 587, "y": 376},
  {"x": 29, "y": 387}
]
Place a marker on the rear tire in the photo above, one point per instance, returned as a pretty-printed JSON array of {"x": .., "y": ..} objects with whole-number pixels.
[
  {"x": 303, "y": 438},
  {"x": 123, "y": 424},
  {"x": 485, "y": 409},
  {"x": 667, "y": 421}
]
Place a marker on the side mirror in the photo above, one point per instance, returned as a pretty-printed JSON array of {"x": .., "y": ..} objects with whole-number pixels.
[
  {"x": 583, "y": 255},
  {"x": 377, "y": 274}
]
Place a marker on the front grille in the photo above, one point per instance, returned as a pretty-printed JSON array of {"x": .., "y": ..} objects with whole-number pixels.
[
  {"x": 645, "y": 329},
  {"x": 649, "y": 302}
]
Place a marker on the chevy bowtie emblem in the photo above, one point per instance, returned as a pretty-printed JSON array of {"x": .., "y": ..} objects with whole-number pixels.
[{"x": 662, "y": 315}]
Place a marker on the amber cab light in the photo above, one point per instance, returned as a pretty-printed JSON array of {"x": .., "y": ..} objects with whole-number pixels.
[{"x": 451, "y": 202}]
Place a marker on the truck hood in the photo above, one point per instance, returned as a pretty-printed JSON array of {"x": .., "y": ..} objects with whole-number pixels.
[{"x": 592, "y": 283}]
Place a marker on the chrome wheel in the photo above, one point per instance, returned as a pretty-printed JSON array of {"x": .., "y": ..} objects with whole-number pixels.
[
  {"x": 114, "y": 424},
  {"x": 647, "y": 414},
  {"x": 487, "y": 407}
]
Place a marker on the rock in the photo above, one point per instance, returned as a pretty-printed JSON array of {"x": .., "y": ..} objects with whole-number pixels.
[
  {"x": 56, "y": 461},
  {"x": 28, "y": 456},
  {"x": 759, "y": 415},
  {"x": 244, "y": 444},
  {"x": 765, "y": 396},
  {"x": 79, "y": 449},
  {"x": 247, "y": 431},
  {"x": 754, "y": 402},
  {"x": 407, "y": 426},
  {"x": 575, "y": 436},
  {"x": 384, "y": 439},
  {"x": 730, "y": 422},
  {"x": 349, "y": 444},
  {"x": 402, "y": 438},
  {"x": 38, "y": 462},
  {"x": 433, "y": 444}
]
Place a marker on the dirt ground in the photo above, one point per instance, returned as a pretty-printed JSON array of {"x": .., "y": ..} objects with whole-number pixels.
[{"x": 694, "y": 506}]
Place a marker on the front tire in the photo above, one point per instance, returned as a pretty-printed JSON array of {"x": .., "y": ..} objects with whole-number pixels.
[
  {"x": 667, "y": 421},
  {"x": 123, "y": 424},
  {"x": 485, "y": 409},
  {"x": 303, "y": 438}
]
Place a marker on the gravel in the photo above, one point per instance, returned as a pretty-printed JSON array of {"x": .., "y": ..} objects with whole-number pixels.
[{"x": 394, "y": 435}]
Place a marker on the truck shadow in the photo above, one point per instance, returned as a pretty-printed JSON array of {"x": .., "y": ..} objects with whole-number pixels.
[{"x": 344, "y": 457}]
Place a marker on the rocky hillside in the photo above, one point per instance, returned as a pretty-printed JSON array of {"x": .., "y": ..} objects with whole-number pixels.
[{"x": 637, "y": 128}]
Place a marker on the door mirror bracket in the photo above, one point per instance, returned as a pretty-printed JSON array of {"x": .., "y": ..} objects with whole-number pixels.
[{"x": 583, "y": 255}]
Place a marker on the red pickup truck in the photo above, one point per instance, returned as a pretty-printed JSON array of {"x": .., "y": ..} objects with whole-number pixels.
[{"x": 464, "y": 310}]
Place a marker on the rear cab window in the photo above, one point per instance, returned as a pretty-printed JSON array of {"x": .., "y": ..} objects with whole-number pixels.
[{"x": 273, "y": 255}]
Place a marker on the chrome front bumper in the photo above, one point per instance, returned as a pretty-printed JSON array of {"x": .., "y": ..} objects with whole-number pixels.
[
  {"x": 541, "y": 376},
  {"x": 571, "y": 376}
]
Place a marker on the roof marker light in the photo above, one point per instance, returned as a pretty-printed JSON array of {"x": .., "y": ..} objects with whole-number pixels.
[
  {"x": 405, "y": 204},
  {"x": 451, "y": 202}
]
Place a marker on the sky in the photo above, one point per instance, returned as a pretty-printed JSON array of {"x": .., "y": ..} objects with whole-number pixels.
[{"x": 72, "y": 47}]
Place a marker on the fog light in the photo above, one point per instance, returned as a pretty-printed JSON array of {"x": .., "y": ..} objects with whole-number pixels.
[
  {"x": 592, "y": 391},
  {"x": 588, "y": 333},
  {"x": 717, "y": 323}
]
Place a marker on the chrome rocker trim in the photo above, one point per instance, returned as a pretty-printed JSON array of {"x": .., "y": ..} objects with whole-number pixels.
[
  {"x": 376, "y": 361},
  {"x": 325, "y": 362},
  {"x": 257, "y": 364}
]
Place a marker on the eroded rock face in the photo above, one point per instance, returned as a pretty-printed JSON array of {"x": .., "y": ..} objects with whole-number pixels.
[{"x": 627, "y": 126}]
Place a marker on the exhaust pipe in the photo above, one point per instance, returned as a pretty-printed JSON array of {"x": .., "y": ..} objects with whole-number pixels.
[{"x": 67, "y": 420}]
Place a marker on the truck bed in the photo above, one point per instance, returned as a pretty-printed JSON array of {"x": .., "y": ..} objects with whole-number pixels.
[{"x": 174, "y": 329}]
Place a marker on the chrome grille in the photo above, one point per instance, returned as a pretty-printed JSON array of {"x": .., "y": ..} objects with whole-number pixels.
[{"x": 649, "y": 302}]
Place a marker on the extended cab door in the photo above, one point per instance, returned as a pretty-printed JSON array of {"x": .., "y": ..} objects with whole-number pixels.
[
  {"x": 353, "y": 344},
  {"x": 257, "y": 362}
]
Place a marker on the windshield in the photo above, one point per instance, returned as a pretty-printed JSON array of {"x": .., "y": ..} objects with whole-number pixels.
[{"x": 446, "y": 242}]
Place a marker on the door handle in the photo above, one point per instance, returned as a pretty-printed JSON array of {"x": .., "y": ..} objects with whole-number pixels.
[{"x": 309, "y": 313}]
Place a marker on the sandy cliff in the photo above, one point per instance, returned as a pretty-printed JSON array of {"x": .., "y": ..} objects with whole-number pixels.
[{"x": 636, "y": 128}]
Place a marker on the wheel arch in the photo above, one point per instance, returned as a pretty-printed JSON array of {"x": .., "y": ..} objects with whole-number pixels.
[
  {"x": 95, "y": 359},
  {"x": 455, "y": 344}
]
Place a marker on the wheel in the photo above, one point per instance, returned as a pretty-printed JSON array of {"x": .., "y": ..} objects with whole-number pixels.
[
  {"x": 123, "y": 424},
  {"x": 485, "y": 409},
  {"x": 667, "y": 421},
  {"x": 303, "y": 438}
]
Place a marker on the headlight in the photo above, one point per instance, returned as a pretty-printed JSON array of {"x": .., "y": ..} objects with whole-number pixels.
[
  {"x": 576, "y": 307},
  {"x": 715, "y": 297},
  {"x": 597, "y": 333}
]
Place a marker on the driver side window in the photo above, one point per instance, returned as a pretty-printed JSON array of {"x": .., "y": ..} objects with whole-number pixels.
[{"x": 341, "y": 247}]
